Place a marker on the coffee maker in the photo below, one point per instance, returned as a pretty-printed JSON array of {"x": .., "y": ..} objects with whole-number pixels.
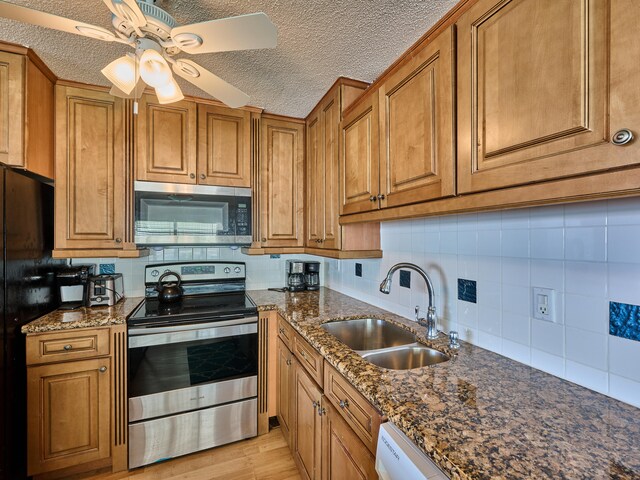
[
  {"x": 312, "y": 275},
  {"x": 73, "y": 285},
  {"x": 294, "y": 274}
]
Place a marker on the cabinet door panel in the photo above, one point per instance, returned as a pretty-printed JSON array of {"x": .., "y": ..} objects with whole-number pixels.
[
  {"x": 89, "y": 169},
  {"x": 284, "y": 382},
  {"x": 224, "y": 146},
  {"x": 11, "y": 109},
  {"x": 69, "y": 422},
  {"x": 307, "y": 432},
  {"x": 282, "y": 178},
  {"x": 344, "y": 456},
  {"x": 315, "y": 187},
  {"x": 359, "y": 157},
  {"x": 330, "y": 174},
  {"x": 166, "y": 141},
  {"x": 416, "y": 124},
  {"x": 538, "y": 100}
]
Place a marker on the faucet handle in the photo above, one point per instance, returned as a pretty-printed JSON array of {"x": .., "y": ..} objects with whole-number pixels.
[
  {"x": 417, "y": 312},
  {"x": 453, "y": 340}
]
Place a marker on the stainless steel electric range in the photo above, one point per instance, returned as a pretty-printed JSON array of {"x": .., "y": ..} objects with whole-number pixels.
[{"x": 193, "y": 364}]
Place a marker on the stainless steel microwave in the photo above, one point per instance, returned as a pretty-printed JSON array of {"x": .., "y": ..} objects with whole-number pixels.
[{"x": 176, "y": 214}]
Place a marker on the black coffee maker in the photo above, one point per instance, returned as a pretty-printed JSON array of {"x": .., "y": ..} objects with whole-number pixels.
[
  {"x": 295, "y": 275},
  {"x": 312, "y": 275}
]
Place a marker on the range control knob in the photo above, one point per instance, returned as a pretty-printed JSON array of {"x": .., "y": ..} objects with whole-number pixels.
[
  {"x": 237, "y": 269},
  {"x": 227, "y": 270},
  {"x": 155, "y": 273}
]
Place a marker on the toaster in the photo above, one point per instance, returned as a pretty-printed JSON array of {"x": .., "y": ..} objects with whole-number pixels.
[{"x": 105, "y": 290}]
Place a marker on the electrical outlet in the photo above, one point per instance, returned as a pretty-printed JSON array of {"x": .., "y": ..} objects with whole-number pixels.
[{"x": 543, "y": 304}]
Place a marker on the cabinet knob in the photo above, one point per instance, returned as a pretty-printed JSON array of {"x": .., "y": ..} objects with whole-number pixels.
[
  {"x": 315, "y": 404},
  {"x": 102, "y": 369},
  {"x": 202, "y": 176},
  {"x": 381, "y": 196},
  {"x": 321, "y": 240},
  {"x": 321, "y": 411},
  {"x": 192, "y": 175},
  {"x": 288, "y": 362},
  {"x": 344, "y": 403},
  {"x": 118, "y": 240},
  {"x": 67, "y": 347},
  {"x": 373, "y": 198},
  {"x": 622, "y": 137},
  {"x": 281, "y": 330}
]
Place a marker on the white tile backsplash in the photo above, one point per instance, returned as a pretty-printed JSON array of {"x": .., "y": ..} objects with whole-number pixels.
[{"x": 588, "y": 253}]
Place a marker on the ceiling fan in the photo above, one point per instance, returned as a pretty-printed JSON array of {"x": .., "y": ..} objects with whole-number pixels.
[{"x": 157, "y": 39}]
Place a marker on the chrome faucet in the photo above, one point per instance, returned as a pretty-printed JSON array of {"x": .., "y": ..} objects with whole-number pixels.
[{"x": 431, "y": 322}]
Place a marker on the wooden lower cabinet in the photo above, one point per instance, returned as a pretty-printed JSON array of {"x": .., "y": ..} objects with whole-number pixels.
[
  {"x": 76, "y": 406},
  {"x": 69, "y": 414},
  {"x": 344, "y": 456},
  {"x": 323, "y": 444}
]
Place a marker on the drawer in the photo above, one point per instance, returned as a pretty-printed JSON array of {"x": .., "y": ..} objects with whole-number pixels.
[
  {"x": 67, "y": 345},
  {"x": 363, "y": 418},
  {"x": 285, "y": 332},
  {"x": 309, "y": 358}
]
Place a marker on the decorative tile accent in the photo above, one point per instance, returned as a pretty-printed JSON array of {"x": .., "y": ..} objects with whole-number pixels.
[
  {"x": 358, "y": 269},
  {"x": 467, "y": 290},
  {"x": 107, "y": 268},
  {"x": 624, "y": 320},
  {"x": 405, "y": 278}
]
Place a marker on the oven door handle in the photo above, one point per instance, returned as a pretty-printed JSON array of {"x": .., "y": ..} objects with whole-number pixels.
[
  {"x": 151, "y": 330},
  {"x": 182, "y": 336}
]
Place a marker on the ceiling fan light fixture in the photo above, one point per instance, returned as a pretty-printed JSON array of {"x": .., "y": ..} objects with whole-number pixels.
[
  {"x": 169, "y": 93},
  {"x": 122, "y": 73},
  {"x": 154, "y": 69},
  {"x": 95, "y": 32}
]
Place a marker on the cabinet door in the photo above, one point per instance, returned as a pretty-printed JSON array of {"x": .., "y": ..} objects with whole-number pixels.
[
  {"x": 542, "y": 87},
  {"x": 282, "y": 183},
  {"x": 330, "y": 117},
  {"x": 417, "y": 128},
  {"x": 89, "y": 193},
  {"x": 166, "y": 142},
  {"x": 284, "y": 368},
  {"x": 12, "y": 121},
  {"x": 69, "y": 414},
  {"x": 344, "y": 456},
  {"x": 360, "y": 157},
  {"x": 315, "y": 186},
  {"x": 307, "y": 436},
  {"x": 224, "y": 146}
]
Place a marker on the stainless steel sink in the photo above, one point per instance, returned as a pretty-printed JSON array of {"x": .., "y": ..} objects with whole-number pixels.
[
  {"x": 406, "y": 358},
  {"x": 369, "y": 333}
]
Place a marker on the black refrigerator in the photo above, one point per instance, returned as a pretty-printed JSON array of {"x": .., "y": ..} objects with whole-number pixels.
[{"x": 27, "y": 291}]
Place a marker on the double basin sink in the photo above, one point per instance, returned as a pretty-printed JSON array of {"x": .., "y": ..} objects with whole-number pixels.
[{"x": 384, "y": 344}]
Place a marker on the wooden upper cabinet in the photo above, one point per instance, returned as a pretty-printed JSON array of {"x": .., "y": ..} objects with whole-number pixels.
[
  {"x": 166, "y": 141},
  {"x": 417, "y": 126},
  {"x": 281, "y": 182},
  {"x": 26, "y": 115},
  {"x": 90, "y": 169},
  {"x": 360, "y": 157},
  {"x": 542, "y": 88},
  {"x": 224, "y": 146},
  {"x": 314, "y": 166}
]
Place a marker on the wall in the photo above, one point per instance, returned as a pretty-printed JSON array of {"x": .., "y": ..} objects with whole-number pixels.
[
  {"x": 262, "y": 271},
  {"x": 588, "y": 253}
]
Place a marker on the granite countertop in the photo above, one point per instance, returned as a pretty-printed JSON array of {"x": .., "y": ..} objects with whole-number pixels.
[
  {"x": 84, "y": 317},
  {"x": 479, "y": 415}
]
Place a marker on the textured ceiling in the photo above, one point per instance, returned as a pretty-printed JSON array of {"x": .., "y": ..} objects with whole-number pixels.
[{"x": 318, "y": 41}]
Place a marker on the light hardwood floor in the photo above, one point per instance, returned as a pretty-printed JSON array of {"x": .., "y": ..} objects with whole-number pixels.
[{"x": 262, "y": 458}]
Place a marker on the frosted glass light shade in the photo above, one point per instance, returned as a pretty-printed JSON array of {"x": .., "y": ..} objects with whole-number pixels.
[
  {"x": 122, "y": 73},
  {"x": 169, "y": 93},
  {"x": 154, "y": 69}
]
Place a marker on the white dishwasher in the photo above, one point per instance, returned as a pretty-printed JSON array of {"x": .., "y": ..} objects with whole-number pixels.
[{"x": 397, "y": 458}]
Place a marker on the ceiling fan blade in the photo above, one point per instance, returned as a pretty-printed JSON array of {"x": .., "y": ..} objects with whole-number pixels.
[
  {"x": 47, "y": 20},
  {"x": 127, "y": 10},
  {"x": 244, "y": 32},
  {"x": 210, "y": 83}
]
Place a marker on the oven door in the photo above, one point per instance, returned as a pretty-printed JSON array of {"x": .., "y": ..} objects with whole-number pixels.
[
  {"x": 187, "y": 367},
  {"x": 174, "y": 214}
]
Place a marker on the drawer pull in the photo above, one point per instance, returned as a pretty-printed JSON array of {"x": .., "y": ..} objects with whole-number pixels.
[
  {"x": 302, "y": 353},
  {"x": 622, "y": 137},
  {"x": 344, "y": 403},
  {"x": 288, "y": 362},
  {"x": 321, "y": 411},
  {"x": 316, "y": 404},
  {"x": 67, "y": 347},
  {"x": 102, "y": 369},
  {"x": 281, "y": 330}
]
